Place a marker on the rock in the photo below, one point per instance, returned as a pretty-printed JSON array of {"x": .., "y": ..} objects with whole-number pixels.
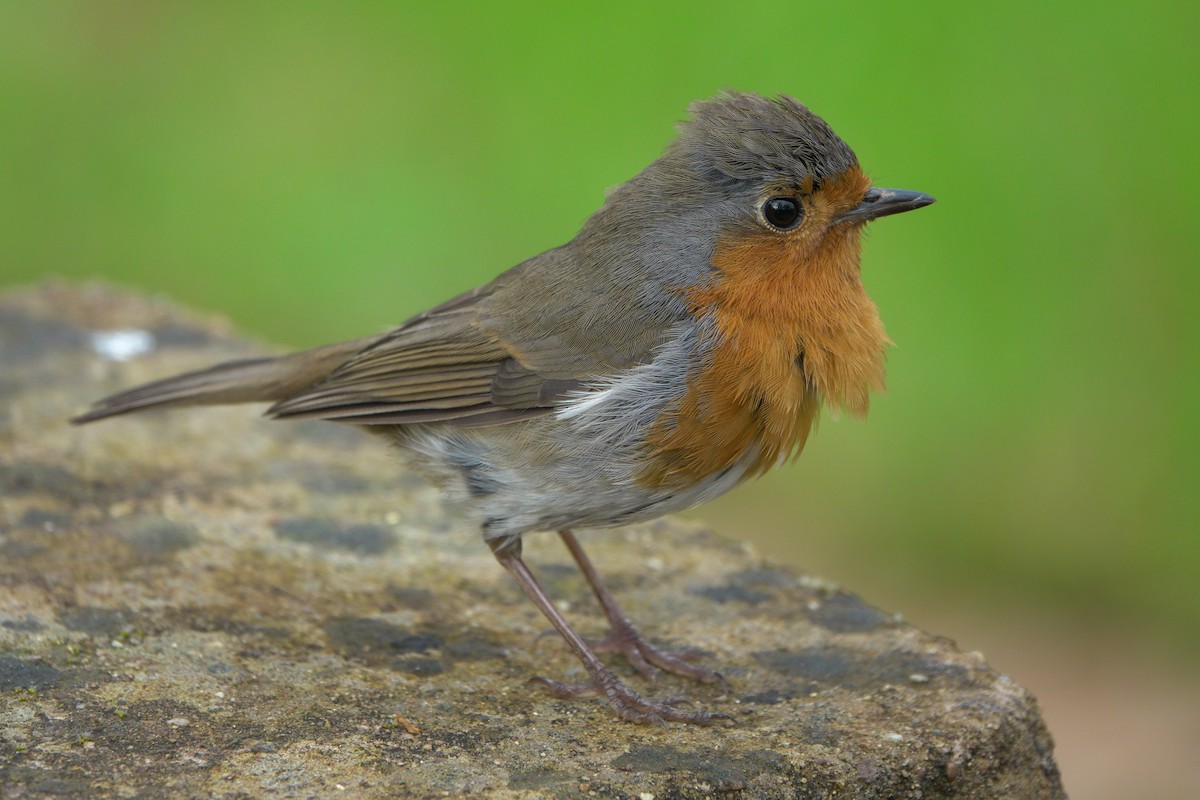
[{"x": 204, "y": 603}]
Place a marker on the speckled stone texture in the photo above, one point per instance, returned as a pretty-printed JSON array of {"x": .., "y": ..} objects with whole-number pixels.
[{"x": 203, "y": 603}]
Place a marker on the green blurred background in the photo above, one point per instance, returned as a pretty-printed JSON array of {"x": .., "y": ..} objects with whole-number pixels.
[{"x": 321, "y": 171}]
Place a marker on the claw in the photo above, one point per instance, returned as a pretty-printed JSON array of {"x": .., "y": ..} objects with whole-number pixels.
[
  {"x": 630, "y": 705},
  {"x": 648, "y": 659},
  {"x": 537, "y": 640},
  {"x": 689, "y": 654}
]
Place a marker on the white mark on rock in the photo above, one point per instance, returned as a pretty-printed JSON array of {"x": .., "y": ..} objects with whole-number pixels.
[{"x": 122, "y": 344}]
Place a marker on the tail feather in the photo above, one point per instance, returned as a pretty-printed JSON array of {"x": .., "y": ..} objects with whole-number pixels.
[{"x": 256, "y": 380}]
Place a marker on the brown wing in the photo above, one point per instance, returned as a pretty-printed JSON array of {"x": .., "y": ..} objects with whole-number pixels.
[{"x": 438, "y": 367}]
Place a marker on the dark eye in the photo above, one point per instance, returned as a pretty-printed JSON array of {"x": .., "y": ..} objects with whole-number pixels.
[{"x": 782, "y": 212}]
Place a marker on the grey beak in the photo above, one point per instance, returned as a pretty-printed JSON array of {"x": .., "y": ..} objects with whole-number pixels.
[{"x": 878, "y": 203}]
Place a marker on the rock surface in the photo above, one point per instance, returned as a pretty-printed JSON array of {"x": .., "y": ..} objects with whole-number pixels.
[{"x": 202, "y": 603}]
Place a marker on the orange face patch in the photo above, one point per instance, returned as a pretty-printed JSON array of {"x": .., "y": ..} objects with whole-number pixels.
[{"x": 796, "y": 327}]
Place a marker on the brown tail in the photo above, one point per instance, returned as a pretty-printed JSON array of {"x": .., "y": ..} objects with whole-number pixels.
[{"x": 249, "y": 381}]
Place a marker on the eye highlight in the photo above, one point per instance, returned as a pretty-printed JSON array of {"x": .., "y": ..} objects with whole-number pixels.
[{"x": 782, "y": 213}]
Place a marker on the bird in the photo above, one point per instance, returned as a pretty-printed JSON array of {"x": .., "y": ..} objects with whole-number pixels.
[{"x": 681, "y": 343}]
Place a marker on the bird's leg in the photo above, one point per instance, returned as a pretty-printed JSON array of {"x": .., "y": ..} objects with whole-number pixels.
[
  {"x": 624, "y": 638},
  {"x": 626, "y": 702}
]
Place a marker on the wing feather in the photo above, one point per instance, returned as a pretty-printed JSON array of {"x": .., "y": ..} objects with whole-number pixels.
[{"x": 438, "y": 367}]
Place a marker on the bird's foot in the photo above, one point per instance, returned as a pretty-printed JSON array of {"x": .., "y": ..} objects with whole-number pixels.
[
  {"x": 629, "y": 704},
  {"x": 648, "y": 659}
]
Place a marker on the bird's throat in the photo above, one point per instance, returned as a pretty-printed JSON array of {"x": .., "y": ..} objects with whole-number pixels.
[{"x": 796, "y": 328}]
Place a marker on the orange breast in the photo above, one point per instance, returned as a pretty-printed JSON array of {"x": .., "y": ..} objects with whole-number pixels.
[{"x": 797, "y": 328}]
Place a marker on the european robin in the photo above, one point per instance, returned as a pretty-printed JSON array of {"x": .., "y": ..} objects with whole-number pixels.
[{"x": 681, "y": 343}]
